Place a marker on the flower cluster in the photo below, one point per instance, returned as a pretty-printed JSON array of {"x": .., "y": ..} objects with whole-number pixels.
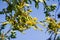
[{"x": 53, "y": 25}]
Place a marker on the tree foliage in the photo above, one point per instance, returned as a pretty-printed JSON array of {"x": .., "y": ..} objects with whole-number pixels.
[{"x": 21, "y": 19}]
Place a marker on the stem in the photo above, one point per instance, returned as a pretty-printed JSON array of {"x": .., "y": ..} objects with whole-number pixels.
[
  {"x": 55, "y": 16},
  {"x": 7, "y": 32},
  {"x": 45, "y": 5},
  {"x": 2, "y": 36},
  {"x": 55, "y": 36},
  {"x": 2, "y": 22},
  {"x": 51, "y": 34}
]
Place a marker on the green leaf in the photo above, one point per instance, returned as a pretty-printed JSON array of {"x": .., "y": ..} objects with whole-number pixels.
[
  {"x": 37, "y": 5},
  {"x": 13, "y": 34},
  {"x": 1, "y": 12},
  {"x": 50, "y": 26},
  {"x": 53, "y": 8},
  {"x": 10, "y": 8},
  {"x": 30, "y": 1},
  {"x": 14, "y": 2},
  {"x": 26, "y": 1},
  {"x": 58, "y": 38},
  {"x": 46, "y": 13}
]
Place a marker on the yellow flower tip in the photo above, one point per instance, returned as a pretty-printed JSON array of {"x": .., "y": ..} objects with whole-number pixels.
[
  {"x": 54, "y": 4},
  {"x": 30, "y": 10},
  {"x": 26, "y": 4},
  {"x": 41, "y": 1},
  {"x": 29, "y": 22},
  {"x": 48, "y": 18},
  {"x": 34, "y": 18},
  {"x": 41, "y": 24},
  {"x": 34, "y": 28},
  {"x": 40, "y": 29},
  {"x": 23, "y": 32},
  {"x": 58, "y": 32}
]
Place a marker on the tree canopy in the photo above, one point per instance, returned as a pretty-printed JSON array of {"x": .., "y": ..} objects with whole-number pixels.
[{"x": 21, "y": 19}]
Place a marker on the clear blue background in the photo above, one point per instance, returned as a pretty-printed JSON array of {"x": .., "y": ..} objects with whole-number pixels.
[{"x": 31, "y": 34}]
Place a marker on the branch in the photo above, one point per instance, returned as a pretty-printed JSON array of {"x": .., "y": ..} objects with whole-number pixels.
[
  {"x": 7, "y": 32},
  {"x": 55, "y": 36}
]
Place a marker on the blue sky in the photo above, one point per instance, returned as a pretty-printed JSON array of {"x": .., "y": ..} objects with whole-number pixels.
[{"x": 30, "y": 34}]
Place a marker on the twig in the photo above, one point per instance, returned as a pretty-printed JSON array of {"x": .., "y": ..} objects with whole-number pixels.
[
  {"x": 7, "y": 32},
  {"x": 55, "y": 36}
]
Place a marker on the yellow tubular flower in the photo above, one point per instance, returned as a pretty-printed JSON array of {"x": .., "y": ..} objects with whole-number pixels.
[
  {"x": 20, "y": 27},
  {"x": 34, "y": 19},
  {"x": 48, "y": 18},
  {"x": 34, "y": 23},
  {"x": 58, "y": 25},
  {"x": 26, "y": 4},
  {"x": 41, "y": 24},
  {"x": 4, "y": 23},
  {"x": 34, "y": 28},
  {"x": 51, "y": 20},
  {"x": 30, "y": 22},
  {"x": 41, "y": 1},
  {"x": 30, "y": 10}
]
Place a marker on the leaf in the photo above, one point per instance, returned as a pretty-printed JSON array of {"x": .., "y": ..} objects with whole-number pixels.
[
  {"x": 37, "y": 5},
  {"x": 27, "y": 5},
  {"x": 49, "y": 39},
  {"x": 10, "y": 8},
  {"x": 26, "y": 1},
  {"x": 1, "y": 12},
  {"x": 30, "y": 1},
  {"x": 53, "y": 7},
  {"x": 49, "y": 26},
  {"x": 46, "y": 13},
  {"x": 58, "y": 38},
  {"x": 14, "y": 2},
  {"x": 13, "y": 34}
]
